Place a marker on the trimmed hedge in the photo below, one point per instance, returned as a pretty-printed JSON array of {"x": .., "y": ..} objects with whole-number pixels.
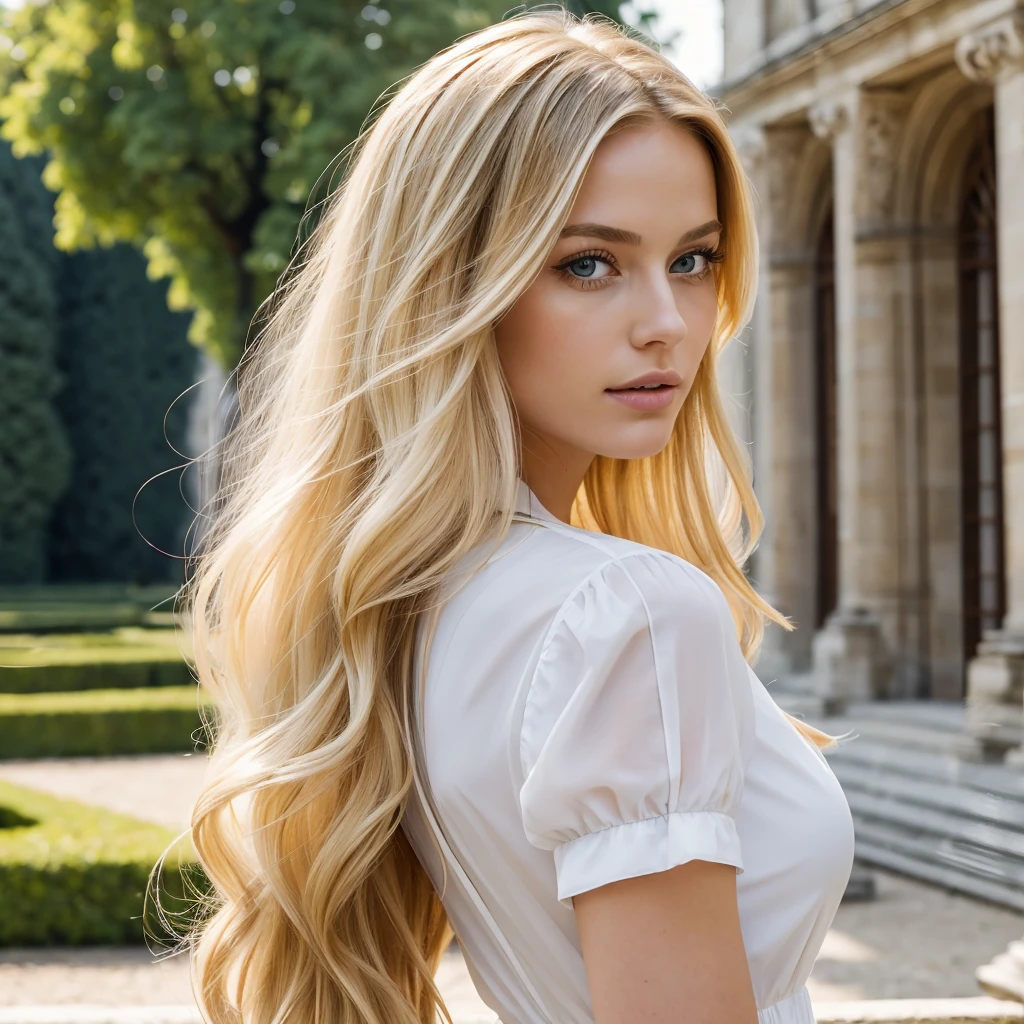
[
  {"x": 83, "y": 606},
  {"x": 128, "y": 658},
  {"x": 102, "y": 723},
  {"x": 141, "y": 594},
  {"x": 74, "y": 875},
  {"x": 65, "y": 615}
]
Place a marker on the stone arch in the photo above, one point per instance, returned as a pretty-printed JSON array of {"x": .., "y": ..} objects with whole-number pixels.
[
  {"x": 942, "y": 128},
  {"x": 799, "y": 166},
  {"x": 815, "y": 181}
]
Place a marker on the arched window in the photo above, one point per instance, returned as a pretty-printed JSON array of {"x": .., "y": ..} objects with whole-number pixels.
[
  {"x": 827, "y": 489},
  {"x": 984, "y": 584}
]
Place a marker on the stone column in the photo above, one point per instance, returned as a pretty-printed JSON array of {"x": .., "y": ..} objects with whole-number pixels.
[
  {"x": 854, "y": 651},
  {"x": 735, "y": 365},
  {"x": 995, "y": 676},
  {"x": 781, "y": 423},
  {"x": 209, "y": 412}
]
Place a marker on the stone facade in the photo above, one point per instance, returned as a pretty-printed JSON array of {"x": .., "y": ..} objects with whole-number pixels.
[{"x": 860, "y": 125}]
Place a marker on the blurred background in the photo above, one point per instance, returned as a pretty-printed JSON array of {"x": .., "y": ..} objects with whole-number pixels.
[{"x": 158, "y": 161}]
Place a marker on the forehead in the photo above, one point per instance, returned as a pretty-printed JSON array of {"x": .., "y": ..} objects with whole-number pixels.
[{"x": 654, "y": 174}]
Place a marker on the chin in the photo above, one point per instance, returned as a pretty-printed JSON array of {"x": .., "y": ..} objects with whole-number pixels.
[{"x": 639, "y": 444}]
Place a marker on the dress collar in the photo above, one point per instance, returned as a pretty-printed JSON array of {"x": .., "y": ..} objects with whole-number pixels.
[{"x": 528, "y": 504}]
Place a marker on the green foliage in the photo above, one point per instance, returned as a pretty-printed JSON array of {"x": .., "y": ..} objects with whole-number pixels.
[
  {"x": 90, "y": 360},
  {"x": 68, "y": 607},
  {"x": 56, "y": 615},
  {"x": 34, "y": 455},
  {"x": 102, "y": 723},
  {"x": 125, "y": 658},
  {"x": 74, "y": 875},
  {"x": 199, "y": 127},
  {"x": 127, "y": 360}
]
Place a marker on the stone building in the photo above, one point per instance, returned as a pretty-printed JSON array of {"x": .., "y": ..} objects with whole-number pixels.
[{"x": 884, "y": 367}]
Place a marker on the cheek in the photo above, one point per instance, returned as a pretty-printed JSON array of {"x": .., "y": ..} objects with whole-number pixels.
[
  {"x": 547, "y": 347},
  {"x": 700, "y": 310}
]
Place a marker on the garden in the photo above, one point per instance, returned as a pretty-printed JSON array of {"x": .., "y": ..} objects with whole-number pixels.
[
  {"x": 91, "y": 671},
  {"x": 160, "y": 164}
]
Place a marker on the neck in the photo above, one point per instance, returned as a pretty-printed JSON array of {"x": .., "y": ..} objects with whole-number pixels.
[{"x": 555, "y": 482}]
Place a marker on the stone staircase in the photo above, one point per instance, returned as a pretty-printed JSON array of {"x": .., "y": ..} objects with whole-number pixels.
[{"x": 920, "y": 807}]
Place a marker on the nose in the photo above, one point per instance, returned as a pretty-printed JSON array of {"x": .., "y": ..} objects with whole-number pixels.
[{"x": 657, "y": 317}]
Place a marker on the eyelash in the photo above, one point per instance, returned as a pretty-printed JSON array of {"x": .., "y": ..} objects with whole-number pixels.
[{"x": 712, "y": 256}]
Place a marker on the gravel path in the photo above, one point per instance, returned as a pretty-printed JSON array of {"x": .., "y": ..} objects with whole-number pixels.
[
  {"x": 913, "y": 941},
  {"x": 154, "y": 787}
]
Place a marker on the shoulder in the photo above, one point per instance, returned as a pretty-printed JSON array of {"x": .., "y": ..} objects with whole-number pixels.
[
  {"x": 632, "y": 587},
  {"x": 559, "y": 565},
  {"x": 638, "y": 717},
  {"x": 559, "y": 588},
  {"x": 642, "y": 626}
]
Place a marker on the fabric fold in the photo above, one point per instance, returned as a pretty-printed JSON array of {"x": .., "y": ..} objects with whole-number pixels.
[
  {"x": 637, "y": 725},
  {"x": 645, "y": 847}
]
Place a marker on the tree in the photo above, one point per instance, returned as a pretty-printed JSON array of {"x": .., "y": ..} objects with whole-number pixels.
[
  {"x": 198, "y": 128},
  {"x": 35, "y": 459}
]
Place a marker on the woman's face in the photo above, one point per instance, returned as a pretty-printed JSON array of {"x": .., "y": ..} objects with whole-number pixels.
[{"x": 628, "y": 290}]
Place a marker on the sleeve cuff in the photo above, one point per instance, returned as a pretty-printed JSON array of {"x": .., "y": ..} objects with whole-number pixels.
[{"x": 643, "y": 848}]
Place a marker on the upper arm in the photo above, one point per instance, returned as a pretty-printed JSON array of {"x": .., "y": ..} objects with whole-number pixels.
[
  {"x": 667, "y": 947},
  {"x": 636, "y": 732}
]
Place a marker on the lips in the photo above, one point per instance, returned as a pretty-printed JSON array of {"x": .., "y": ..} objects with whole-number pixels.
[
  {"x": 644, "y": 399},
  {"x": 666, "y": 377}
]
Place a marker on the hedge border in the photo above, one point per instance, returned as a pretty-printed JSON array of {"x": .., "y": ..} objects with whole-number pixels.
[
  {"x": 77, "y": 874},
  {"x": 103, "y": 723}
]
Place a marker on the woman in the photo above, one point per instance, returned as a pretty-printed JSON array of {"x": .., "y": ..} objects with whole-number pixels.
[{"x": 474, "y": 614}]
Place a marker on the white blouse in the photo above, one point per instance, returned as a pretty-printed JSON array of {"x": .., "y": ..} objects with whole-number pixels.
[{"x": 588, "y": 715}]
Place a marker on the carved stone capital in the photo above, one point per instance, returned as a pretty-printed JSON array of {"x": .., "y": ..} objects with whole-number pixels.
[
  {"x": 993, "y": 51},
  {"x": 784, "y": 151},
  {"x": 752, "y": 149},
  {"x": 828, "y": 118},
  {"x": 881, "y": 114}
]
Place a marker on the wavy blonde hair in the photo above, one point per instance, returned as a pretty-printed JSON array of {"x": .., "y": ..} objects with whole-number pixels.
[{"x": 377, "y": 443}]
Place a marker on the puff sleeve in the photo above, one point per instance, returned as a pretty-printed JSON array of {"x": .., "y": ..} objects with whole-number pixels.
[{"x": 637, "y": 726}]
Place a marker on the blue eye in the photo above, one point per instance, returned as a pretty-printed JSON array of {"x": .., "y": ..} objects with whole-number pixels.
[
  {"x": 709, "y": 256},
  {"x": 585, "y": 266}
]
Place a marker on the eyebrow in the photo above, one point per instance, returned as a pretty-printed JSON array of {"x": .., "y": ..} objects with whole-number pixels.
[{"x": 610, "y": 234}]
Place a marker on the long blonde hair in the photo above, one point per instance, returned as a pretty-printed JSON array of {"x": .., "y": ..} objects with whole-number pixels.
[{"x": 377, "y": 444}]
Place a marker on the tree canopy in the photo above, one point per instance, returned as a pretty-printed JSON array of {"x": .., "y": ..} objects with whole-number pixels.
[
  {"x": 35, "y": 459},
  {"x": 198, "y": 128}
]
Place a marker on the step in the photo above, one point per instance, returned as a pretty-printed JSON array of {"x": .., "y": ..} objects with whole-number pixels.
[
  {"x": 975, "y": 842},
  {"x": 904, "y": 734},
  {"x": 989, "y": 807},
  {"x": 920, "y": 1011},
  {"x": 949, "y": 716},
  {"x": 919, "y": 809},
  {"x": 995, "y": 779},
  {"x": 973, "y": 874},
  {"x": 914, "y": 866}
]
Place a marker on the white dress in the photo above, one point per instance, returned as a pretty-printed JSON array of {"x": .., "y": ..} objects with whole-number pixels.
[{"x": 588, "y": 716}]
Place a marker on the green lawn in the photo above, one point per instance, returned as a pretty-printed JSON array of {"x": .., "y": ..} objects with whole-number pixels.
[{"x": 71, "y": 874}]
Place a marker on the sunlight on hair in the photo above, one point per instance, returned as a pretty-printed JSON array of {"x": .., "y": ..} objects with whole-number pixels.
[{"x": 376, "y": 445}]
